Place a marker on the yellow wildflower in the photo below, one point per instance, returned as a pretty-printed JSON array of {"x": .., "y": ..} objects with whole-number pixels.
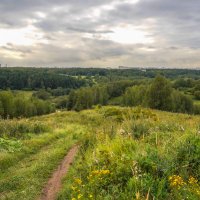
[
  {"x": 176, "y": 181},
  {"x": 73, "y": 188},
  {"x": 78, "y": 181},
  {"x": 79, "y": 196},
  {"x": 192, "y": 180},
  {"x": 99, "y": 172}
]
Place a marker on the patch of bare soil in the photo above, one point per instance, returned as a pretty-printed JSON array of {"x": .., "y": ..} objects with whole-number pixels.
[{"x": 54, "y": 184}]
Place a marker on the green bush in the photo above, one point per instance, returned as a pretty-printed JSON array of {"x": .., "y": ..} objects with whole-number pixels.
[
  {"x": 188, "y": 157},
  {"x": 20, "y": 129},
  {"x": 10, "y": 145}
]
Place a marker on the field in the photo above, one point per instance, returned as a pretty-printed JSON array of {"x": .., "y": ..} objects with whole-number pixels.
[{"x": 125, "y": 153}]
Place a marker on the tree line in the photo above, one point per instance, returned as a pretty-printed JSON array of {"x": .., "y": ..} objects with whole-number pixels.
[
  {"x": 13, "y": 105},
  {"x": 159, "y": 94},
  {"x": 32, "y": 79},
  {"x": 36, "y": 78},
  {"x": 85, "y": 98}
]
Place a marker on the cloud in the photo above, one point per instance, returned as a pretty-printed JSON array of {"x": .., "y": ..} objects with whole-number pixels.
[{"x": 101, "y": 33}]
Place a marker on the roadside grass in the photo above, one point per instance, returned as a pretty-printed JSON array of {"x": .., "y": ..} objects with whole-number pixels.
[
  {"x": 26, "y": 178},
  {"x": 25, "y": 171}
]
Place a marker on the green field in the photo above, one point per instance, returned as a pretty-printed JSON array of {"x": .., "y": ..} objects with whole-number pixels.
[{"x": 124, "y": 154}]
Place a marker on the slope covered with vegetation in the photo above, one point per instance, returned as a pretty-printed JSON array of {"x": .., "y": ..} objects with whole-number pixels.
[
  {"x": 139, "y": 154},
  {"x": 138, "y": 133},
  {"x": 125, "y": 154}
]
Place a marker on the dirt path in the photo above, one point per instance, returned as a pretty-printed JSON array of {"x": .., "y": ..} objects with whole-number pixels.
[{"x": 54, "y": 183}]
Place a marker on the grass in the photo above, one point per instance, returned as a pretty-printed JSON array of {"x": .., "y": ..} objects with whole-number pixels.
[
  {"x": 125, "y": 154},
  {"x": 148, "y": 155},
  {"x": 25, "y": 171}
]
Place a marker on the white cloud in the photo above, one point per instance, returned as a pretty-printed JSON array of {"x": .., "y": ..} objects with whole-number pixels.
[
  {"x": 23, "y": 36},
  {"x": 100, "y": 32}
]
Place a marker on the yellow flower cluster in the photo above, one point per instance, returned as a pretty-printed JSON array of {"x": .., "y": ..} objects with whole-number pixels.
[
  {"x": 78, "y": 181},
  {"x": 192, "y": 180},
  {"x": 100, "y": 172},
  {"x": 78, "y": 197},
  {"x": 176, "y": 181},
  {"x": 191, "y": 185},
  {"x": 195, "y": 186}
]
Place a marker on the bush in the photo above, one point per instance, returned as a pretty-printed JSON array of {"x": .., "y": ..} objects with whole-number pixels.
[
  {"x": 196, "y": 109},
  {"x": 188, "y": 157},
  {"x": 10, "y": 145},
  {"x": 20, "y": 129},
  {"x": 136, "y": 128}
]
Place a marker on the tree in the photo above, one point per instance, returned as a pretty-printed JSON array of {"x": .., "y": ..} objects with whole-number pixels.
[
  {"x": 6, "y": 98},
  {"x": 1, "y": 109},
  {"x": 181, "y": 103},
  {"x": 197, "y": 95},
  {"x": 20, "y": 106},
  {"x": 72, "y": 100},
  {"x": 159, "y": 95},
  {"x": 42, "y": 94},
  {"x": 135, "y": 96}
]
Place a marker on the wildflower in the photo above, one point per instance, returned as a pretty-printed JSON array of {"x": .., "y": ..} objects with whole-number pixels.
[
  {"x": 79, "y": 196},
  {"x": 73, "y": 188},
  {"x": 99, "y": 172},
  {"x": 78, "y": 181},
  {"x": 176, "y": 181},
  {"x": 192, "y": 180},
  {"x": 90, "y": 196}
]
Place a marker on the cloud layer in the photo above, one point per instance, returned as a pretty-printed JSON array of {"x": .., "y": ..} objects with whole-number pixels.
[{"x": 100, "y": 33}]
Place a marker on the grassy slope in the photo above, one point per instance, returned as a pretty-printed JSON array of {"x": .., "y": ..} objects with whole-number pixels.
[
  {"x": 136, "y": 158},
  {"x": 24, "y": 172},
  {"x": 139, "y": 148}
]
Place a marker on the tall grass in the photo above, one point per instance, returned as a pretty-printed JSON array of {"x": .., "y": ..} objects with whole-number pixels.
[
  {"x": 152, "y": 155},
  {"x": 20, "y": 128}
]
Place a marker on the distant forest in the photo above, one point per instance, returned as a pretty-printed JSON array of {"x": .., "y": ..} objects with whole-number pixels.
[
  {"x": 36, "y": 78},
  {"x": 175, "y": 90}
]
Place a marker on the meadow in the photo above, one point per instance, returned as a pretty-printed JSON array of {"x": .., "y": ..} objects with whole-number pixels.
[
  {"x": 125, "y": 153},
  {"x": 137, "y": 134}
]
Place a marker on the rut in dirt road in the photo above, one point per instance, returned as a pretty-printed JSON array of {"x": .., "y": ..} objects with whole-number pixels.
[{"x": 54, "y": 184}]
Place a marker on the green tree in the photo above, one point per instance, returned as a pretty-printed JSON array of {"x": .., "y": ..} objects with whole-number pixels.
[
  {"x": 42, "y": 94},
  {"x": 135, "y": 96},
  {"x": 197, "y": 95},
  {"x": 159, "y": 95},
  {"x": 181, "y": 103},
  {"x": 1, "y": 109},
  {"x": 6, "y": 98},
  {"x": 20, "y": 106},
  {"x": 72, "y": 100}
]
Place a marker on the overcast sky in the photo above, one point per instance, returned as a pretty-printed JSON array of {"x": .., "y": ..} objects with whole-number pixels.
[{"x": 100, "y": 33}]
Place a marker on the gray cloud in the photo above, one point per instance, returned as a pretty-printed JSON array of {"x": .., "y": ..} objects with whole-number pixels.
[{"x": 77, "y": 32}]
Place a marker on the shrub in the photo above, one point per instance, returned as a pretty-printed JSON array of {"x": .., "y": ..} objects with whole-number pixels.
[
  {"x": 20, "y": 129},
  {"x": 188, "y": 157},
  {"x": 10, "y": 145}
]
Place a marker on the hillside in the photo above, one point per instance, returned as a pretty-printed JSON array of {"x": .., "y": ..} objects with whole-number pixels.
[{"x": 124, "y": 153}]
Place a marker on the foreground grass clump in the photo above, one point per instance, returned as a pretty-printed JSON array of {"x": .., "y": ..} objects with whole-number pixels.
[
  {"x": 21, "y": 128},
  {"x": 138, "y": 154}
]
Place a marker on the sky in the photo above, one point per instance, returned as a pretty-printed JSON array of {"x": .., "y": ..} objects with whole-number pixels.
[{"x": 100, "y": 33}]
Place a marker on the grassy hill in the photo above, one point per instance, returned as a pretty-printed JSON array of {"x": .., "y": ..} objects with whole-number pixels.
[{"x": 124, "y": 154}]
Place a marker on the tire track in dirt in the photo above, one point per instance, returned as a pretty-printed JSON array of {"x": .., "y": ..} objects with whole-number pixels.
[{"x": 54, "y": 184}]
